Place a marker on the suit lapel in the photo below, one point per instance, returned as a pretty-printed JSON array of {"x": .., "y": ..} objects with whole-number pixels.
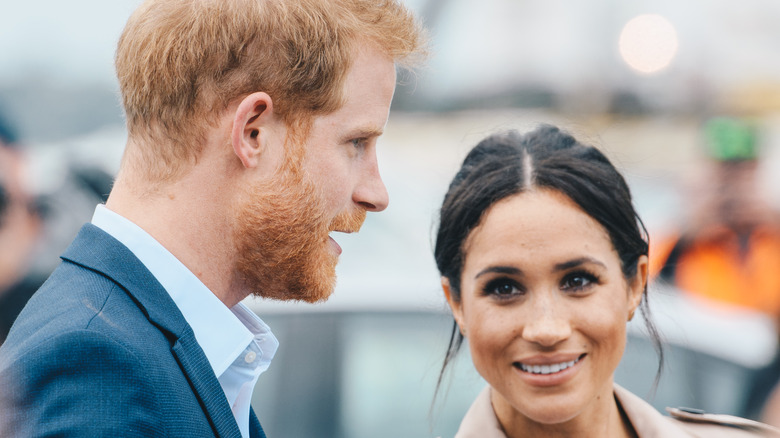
[
  {"x": 201, "y": 376},
  {"x": 96, "y": 250}
]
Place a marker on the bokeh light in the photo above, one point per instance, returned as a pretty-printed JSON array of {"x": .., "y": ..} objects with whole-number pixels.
[{"x": 648, "y": 43}]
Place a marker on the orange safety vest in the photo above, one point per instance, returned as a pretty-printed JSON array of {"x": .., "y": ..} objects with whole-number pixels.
[{"x": 716, "y": 266}]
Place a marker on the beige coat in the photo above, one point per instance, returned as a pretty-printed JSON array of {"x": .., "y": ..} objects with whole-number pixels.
[{"x": 481, "y": 422}]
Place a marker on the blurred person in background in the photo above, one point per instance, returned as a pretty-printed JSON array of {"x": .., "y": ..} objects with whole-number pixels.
[
  {"x": 20, "y": 231},
  {"x": 543, "y": 261},
  {"x": 34, "y": 224},
  {"x": 728, "y": 250},
  {"x": 252, "y": 134}
]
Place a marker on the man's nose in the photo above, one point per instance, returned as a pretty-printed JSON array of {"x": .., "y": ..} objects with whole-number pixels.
[{"x": 371, "y": 192}]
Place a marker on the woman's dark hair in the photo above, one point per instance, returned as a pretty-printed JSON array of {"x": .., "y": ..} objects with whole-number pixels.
[{"x": 509, "y": 163}]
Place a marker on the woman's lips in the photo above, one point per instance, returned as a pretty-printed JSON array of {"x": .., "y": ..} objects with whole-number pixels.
[
  {"x": 548, "y": 368},
  {"x": 549, "y": 372}
]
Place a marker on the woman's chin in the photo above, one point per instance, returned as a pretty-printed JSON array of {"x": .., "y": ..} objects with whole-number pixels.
[{"x": 548, "y": 410}]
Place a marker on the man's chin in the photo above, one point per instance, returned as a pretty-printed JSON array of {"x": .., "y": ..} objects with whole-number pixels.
[
  {"x": 321, "y": 292},
  {"x": 319, "y": 298},
  {"x": 313, "y": 293},
  {"x": 289, "y": 296}
]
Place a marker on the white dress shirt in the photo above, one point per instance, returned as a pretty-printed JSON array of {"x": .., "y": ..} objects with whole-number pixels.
[{"x": 237, "y": 343}]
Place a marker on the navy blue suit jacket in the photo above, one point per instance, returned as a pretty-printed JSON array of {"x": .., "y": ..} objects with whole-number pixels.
[{"x": 102, "y": 350}]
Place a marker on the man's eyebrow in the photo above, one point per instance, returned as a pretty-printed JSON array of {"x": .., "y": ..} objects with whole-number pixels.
[
  {"x": 499, "y": 270},
  {"x": 365, "y": 132},
  {"x": 578, "y": 262}
]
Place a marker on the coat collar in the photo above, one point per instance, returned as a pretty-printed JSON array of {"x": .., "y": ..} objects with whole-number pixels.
[
  {"x": 480, "y": 421},
  {"x": 96, "y": 250},
  {"x": 647, "y": 421}
]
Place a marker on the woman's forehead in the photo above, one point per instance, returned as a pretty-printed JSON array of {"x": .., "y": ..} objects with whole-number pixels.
[{"x": 537, "y": 221}]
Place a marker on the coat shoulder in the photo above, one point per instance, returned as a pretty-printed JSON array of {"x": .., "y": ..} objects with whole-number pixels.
[{"x": 702, "y": 424}]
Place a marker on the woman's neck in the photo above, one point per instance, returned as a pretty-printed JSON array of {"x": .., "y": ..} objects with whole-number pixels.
[{"x": 603, "y": 418}]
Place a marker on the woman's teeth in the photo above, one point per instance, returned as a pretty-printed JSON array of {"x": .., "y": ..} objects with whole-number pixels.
[{"x": 547, "y": 369}]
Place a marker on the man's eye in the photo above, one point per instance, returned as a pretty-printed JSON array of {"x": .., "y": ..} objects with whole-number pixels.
[{"x": 359, "y": 142}]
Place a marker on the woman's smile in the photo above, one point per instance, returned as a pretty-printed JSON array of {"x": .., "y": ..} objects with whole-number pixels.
[
  {"x": 546, "y": 367},
  {"x": 549, "y": 374}
]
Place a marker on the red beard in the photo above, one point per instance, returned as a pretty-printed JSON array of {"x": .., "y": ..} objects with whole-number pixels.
[{"x": 282, "y": 240}]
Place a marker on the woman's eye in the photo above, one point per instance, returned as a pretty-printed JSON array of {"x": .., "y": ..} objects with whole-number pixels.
[
  {"x": 578, "y": 281},
  {"x": 502, "y": 289}
]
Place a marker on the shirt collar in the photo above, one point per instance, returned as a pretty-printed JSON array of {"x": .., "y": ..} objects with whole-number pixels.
[{"x": 222, "y": 333}]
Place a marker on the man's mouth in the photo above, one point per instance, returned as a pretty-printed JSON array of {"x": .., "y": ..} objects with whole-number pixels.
[
  {"x": 547, "y": 368},
  {"x": 333, "y": 242}
]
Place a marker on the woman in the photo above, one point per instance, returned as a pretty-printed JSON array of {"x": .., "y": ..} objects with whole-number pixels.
[{"x": 543, "y": 262}]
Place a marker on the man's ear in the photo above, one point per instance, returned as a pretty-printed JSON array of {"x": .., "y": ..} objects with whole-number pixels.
[
  {"x": 455, "y": 305},
  {"x": 251, "y": 123}
]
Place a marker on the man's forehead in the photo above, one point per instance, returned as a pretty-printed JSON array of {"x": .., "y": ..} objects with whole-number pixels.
[{"x": 355, "y": 121}]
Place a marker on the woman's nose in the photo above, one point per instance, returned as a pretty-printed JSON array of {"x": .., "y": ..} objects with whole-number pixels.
[{"x": 547, "y": 325}]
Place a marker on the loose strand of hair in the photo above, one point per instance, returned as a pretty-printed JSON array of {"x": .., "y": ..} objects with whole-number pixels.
[{"x": 456, "y": 340}]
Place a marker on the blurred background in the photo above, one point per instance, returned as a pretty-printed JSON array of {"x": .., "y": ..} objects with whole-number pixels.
[{"x": 683, "y": 96}]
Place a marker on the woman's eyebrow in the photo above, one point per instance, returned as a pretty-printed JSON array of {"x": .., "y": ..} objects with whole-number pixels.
[
  {"x": 578, "y": 262},
  {"x": 499, "y": 270},
  {"x": 511, "y": 270}
]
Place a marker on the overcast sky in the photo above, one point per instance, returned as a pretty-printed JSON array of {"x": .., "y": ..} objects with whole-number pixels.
[
  {"x": 73, "y": 39},
  {"x": 563, "y": 42}
]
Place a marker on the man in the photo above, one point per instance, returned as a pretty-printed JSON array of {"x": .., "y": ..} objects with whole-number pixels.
[
  {"x": 729, "y": 249},
  {"x": 252, "y": 132}
]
